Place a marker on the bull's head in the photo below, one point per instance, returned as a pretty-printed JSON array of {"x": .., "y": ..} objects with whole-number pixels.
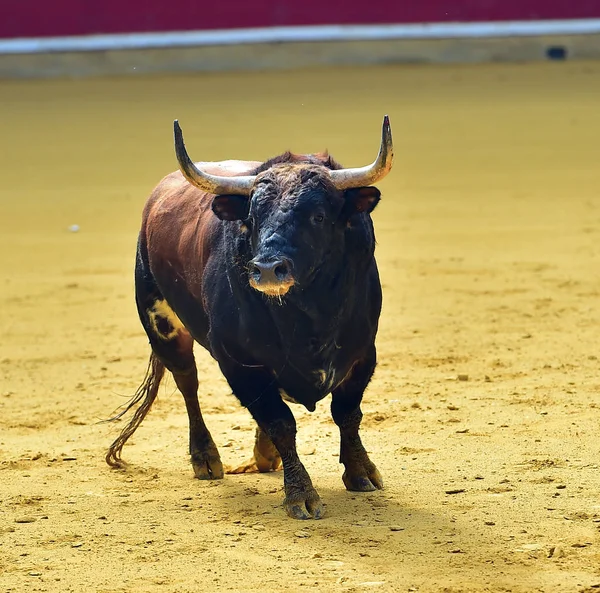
[{"x": 295, "y": 213}]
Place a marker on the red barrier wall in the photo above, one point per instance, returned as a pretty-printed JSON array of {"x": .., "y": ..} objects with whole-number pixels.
[{"x": 42, "y": 18}]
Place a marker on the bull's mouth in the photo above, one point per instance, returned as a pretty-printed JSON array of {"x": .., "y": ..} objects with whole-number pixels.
[{"x": 272, "y": 289}]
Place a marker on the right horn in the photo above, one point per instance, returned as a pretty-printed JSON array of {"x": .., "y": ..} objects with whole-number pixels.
[
  {"x": 378, "y": 169},
  {"x": 214, "y": 184}
]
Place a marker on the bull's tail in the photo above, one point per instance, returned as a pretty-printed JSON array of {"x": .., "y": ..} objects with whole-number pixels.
[{"x": 146, "y": 394}]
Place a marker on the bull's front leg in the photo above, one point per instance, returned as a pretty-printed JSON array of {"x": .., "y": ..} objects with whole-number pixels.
[
  {"x": 257, "y": 390},
  {"x": 360, "y": 472}
]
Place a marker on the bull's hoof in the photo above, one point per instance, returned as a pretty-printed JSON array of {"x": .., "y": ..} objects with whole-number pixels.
[
  {"x": 304, "y": 505},
  {"x": 207, "y": 467},
  {"x": 364, "y": 481},
  {"x": 256, "y": 464}
]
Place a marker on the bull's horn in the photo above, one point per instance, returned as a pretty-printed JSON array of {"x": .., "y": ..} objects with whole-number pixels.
[
  {"x": 214, "y": 184},
  {"x": 362, "y": 176}
]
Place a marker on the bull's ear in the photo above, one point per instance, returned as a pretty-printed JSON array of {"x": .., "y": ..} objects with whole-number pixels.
[
  {"x": 230, "y": 207},
  {"x": 360, "y": 199}
]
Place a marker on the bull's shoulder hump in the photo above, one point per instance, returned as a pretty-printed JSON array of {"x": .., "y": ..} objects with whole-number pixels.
[
  {"x": 173, "y": 191},
  {"x": 229, "y": 168},
  {"x": 176, "y": 199}
]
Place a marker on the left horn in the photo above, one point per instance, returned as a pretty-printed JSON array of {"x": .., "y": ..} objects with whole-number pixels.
[
  {"x": 378, "y": 169},
  {"x": 214, "y": 184}
]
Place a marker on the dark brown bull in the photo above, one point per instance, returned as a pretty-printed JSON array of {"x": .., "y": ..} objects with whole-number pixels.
[{"x": 270, "y": 266}]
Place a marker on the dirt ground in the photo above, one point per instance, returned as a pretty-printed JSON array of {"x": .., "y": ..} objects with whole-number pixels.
[{"x": 483, "y": 415}]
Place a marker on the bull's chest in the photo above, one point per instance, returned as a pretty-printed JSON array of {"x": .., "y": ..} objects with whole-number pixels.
[
  {"x": 310, "y": 355},
  {"x": 309, "y": 376}
]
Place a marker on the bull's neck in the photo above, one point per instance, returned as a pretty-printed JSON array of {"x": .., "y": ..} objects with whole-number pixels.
[
  {"x": 319, "y": 307},
  {"x": 317, "y": 310}
]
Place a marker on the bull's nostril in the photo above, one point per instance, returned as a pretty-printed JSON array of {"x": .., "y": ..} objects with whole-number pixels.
[
  {"x": 281, "y": 271},
  {"x": 271, "y": 272},
  {"x": 255, "y": 272}
]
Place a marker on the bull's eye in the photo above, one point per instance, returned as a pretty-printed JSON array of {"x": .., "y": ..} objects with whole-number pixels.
[{"x": 318, "y": 218}]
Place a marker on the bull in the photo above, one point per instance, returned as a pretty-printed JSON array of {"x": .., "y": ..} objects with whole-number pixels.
[{"x": 270, "y": 267}]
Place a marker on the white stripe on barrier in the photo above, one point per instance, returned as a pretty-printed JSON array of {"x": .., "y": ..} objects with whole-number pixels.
[{"x": 123, "y": 41}]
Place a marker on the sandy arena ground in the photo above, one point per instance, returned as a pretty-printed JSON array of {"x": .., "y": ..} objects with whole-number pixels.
[{"x": 484, "y": 412}]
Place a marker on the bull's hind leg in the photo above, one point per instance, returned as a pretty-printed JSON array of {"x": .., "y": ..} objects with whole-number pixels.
[
  {"x": 203, "y": 451},
  {"x": 172, "y": 347},
  {"x": 266, "y": 457},
  {"x": 360, "y": 472}
]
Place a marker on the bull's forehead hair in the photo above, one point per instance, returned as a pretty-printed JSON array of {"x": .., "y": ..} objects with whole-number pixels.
[
  {"x": 289, "y": 177},
  {"x": 319, "y": 158}
]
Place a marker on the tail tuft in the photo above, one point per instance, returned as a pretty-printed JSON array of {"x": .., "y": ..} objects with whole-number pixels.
[{"x": 146, "y": 394}]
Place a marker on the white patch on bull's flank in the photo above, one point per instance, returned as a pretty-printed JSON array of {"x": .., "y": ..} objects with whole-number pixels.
[
  {"x": 286, "y": 397},
  {"x": 161, "y": 310}
]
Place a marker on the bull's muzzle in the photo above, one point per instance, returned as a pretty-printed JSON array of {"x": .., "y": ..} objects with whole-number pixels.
[{"x": 273, "y": 278}]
